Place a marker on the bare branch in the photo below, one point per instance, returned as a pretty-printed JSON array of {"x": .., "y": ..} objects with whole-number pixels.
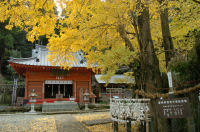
[
  {"x": 44, "y": 3},
  {"x": 127, "y": 32}
]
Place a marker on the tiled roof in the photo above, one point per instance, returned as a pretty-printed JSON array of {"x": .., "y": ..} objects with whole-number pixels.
[
  {"x": 39, "y": 58},
  {"x": 115, "y": 79}
]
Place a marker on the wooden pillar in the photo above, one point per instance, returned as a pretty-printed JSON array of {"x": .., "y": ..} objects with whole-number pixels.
[
  {"x": 147, "y": 125},
  {"x": 43, "y": 86},
  {"x": 147, "y": 122},
  {"x": 64, "y": 91},
  {"x": 128, "y": 125},
  {"x": 115, "y": 126},
  {"x": 52, "y": 90},
  {"x": 90, "y": 87},
  {"x": 26, "y": 86},
  {"x": 75, "y": 89}
]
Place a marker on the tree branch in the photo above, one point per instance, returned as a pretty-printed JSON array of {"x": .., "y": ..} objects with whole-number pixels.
[
  {"x": 196, "y": 1},
  {"x": 127, "y": 32},
  {"x": 134, "y": 23},
  {"x": 102, "y": 25},
  {"x": 123, "y": 35},
  {"x": 44, "y": 3}
]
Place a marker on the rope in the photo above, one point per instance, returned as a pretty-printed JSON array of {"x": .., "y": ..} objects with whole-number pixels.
[
  {"x": 177, "y": 87},
  {"x": 165, "y": 95}
]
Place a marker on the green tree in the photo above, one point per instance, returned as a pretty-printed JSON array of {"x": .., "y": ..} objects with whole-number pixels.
[{"x": 13, "y": 43}]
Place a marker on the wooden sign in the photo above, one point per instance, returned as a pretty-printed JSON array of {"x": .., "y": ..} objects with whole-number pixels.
[
  {"x": 59, "y": 96},
  {"x": 169, "y": 75},
  {"x": 173, "y": 108}
]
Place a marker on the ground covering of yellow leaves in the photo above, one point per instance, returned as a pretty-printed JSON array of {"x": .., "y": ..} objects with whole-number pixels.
[
  {"x": 91, "y": 116},
  {"x": 95, "y": 116},
  {"x": 45, "y": 124},
  {"x": 102, "y": 127}
]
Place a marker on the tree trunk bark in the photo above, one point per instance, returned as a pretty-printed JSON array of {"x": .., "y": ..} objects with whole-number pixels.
[
  {"x": 2, "y": 51},
  {"x": 166, "y": 35},
  {"x": 149, "y": 60},
  {"x": 167, "y": 44},
  {"x": 150, "y": 66}
]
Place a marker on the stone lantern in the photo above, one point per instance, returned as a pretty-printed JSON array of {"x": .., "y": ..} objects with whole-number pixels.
[
  {"x": 33, "y": 96},
  {"x": 86, "y": 99}
]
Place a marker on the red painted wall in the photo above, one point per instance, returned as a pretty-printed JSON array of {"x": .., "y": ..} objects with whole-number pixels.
[{"x": 36, "y": 79}]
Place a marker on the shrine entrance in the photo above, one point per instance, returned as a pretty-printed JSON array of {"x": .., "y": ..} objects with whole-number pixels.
[{"x": 53, "y": 87}]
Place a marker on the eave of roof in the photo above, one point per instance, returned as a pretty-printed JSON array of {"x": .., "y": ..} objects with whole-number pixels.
[
  {"x": 21, "y": 68},
  {"x": 39, "y": 62},
  {"x": 39, "y": 58},
  {"x": 116, "y": 79}
]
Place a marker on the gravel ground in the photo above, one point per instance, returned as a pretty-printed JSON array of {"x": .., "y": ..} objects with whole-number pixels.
[{"x": 40, "y": 123}]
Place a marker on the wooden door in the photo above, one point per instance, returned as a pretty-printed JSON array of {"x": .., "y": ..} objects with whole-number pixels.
[
  {"x": 37, "y": 86},
  {"x": 82, "y": 84}
]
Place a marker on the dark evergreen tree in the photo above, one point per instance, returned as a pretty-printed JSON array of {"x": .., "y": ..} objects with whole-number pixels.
[{"x": 13, "y": 43}]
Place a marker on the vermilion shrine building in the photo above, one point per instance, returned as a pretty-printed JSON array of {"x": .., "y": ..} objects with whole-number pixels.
[{"x": 42, "y": 76}]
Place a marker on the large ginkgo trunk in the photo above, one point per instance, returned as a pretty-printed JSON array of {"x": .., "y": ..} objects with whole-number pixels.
[
  {"x": 149, "y": 61},
  {"x": 149, "y": 66}
]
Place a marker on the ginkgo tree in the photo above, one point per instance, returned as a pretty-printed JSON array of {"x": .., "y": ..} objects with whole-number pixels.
[
  {"x": 142, "y": 29},
  {"x": 110, "y": 33}
]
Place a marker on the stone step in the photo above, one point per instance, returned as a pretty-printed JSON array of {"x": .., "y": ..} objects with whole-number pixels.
[
  {"x": 60, "y": 106},
  {"x": 97, "y": 122}
]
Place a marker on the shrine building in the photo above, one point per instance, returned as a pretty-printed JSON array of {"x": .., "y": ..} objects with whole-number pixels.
[{"x": 51, "y": 82}]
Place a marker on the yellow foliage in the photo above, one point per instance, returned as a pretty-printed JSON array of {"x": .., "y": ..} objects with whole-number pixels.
[{"x": 91, "y": 26}]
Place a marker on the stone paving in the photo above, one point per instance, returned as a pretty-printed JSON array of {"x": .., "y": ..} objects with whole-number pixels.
[
  {"x": 97, "y": 122},
  {"x": 40, "y": 123},
  {"x": 67, "y": 123}
]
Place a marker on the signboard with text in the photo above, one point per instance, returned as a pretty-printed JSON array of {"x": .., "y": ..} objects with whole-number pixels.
[{"x": 173, "y": 108}]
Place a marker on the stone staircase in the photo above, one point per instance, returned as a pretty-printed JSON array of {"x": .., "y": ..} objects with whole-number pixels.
[{"x": 60, "y": 106}]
